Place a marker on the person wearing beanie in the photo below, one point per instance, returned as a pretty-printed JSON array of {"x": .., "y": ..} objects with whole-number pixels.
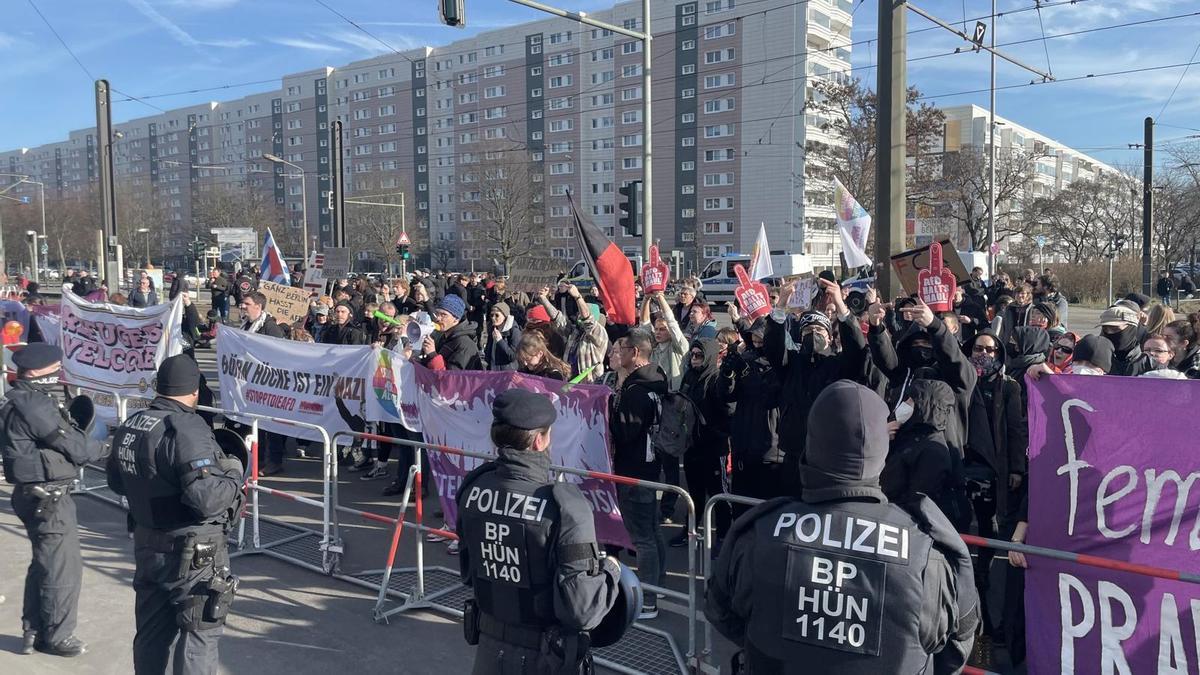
[
  {"x": 42, "y": 453},
  {"x": 184, "y": 493},
  {"x": 1093, "y": 356},
  {"x": 503, "y": 336},
  {"x": 453, "y": 346},
  {"x": 776, "y": 551},
  {"x": 1121, "y": 326}
]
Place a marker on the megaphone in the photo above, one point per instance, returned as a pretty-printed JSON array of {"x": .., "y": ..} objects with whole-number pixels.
[
  {"x": 82, "y": 411},
  {"x": 419, "y": 327},
  {"x": 233, "y": 445}
]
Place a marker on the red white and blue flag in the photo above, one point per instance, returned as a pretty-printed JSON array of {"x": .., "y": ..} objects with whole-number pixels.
[{"x": 273, "y": 267}]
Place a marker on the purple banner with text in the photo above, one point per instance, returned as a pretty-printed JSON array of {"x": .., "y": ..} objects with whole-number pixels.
[{"x": 1113, "y": 466}]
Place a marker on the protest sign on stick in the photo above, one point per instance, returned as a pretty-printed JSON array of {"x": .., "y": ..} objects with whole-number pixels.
[
  {"x": 287, "y": 304},
  {"x": 751, "y": 295},
  {"x": 655, "y": 274},
  {"x": 936, "y": 283}
]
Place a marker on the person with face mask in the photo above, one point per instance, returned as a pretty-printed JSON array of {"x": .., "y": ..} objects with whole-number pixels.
[
  {"x": 919, "y": 461},
  {"x": 1120, "y": 325},
  {"x": 1028, "y": 347},
  {"x": 926, "y": 350},
  {"x": 994, "y": 462},
  {"x": 1093, "y": 356},
  {"x": 704, "y": 463},
  {"x": 42, "y": 449},
  {"x": 807, "y": 368},
  {"x": 753, "y": 386}
]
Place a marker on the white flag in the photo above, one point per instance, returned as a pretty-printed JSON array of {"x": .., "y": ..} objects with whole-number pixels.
[
  {"x": 760, "y": 260},
  {"x": 854, "y": 224}
]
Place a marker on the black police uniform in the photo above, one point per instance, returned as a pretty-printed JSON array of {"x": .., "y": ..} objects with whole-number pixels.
[
  {"x": 529, "y": 552},
  {"x": 183, "y": 493},
  {"x": 42, "y": 452},
  {"x": 841, "y": 581}
]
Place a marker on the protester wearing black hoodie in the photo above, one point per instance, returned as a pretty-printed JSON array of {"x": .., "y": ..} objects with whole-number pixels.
[
  {"x": 1028, "y": 346},
  {"x": 919, "y": 460},
  {"x": 927, "y": 350},
  {"x": 704, "y": 464},
  {"x": 754, "y": 387},
  {"x": 775, "y": 552},
  {"x": 995, "y": 460},
  {"x": 633, "y": 411},
  {"x": 812, "y": 366}
]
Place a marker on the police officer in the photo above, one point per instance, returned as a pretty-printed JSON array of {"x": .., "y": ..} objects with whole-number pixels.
[
  {"x": 43, "y": 450},
  {"x": 831, "y": 582},
  {"x": 529, "y": 552},
  {"x": 183, "y": 494}
]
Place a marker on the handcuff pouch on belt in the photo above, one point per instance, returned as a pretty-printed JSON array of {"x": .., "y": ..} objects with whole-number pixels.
[{"x": 45, "y": 496}]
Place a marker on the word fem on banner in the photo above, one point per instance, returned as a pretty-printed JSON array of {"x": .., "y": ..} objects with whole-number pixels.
[{"x": 1112, "y": 471}]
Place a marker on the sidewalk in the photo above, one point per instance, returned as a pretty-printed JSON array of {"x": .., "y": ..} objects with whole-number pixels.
[{"x": 285, "y": 619}]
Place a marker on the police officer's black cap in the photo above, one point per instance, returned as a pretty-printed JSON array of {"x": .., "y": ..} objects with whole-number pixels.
[
  {"x": 178, "y": 376},
  {"x": 37, "y": 355},
  {"x": 523, "y": 409}
]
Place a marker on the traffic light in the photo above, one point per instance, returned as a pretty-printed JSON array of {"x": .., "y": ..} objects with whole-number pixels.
[
  {"x": 631, "y": 197},
  {"x": 453, "y": 12},
  {"x": 197, "y": 247},
  {"x": 403, "y": 252}
]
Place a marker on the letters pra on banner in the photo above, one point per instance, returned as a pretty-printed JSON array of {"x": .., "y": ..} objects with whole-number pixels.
[
  {"x": 1112, "y": 473},
  {"x": 114, "y": 348}
]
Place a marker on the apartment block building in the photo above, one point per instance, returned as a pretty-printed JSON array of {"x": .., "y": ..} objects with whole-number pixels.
[
  {"x": 1056, "y": 165},
  {"x": 731, "y": 79}
]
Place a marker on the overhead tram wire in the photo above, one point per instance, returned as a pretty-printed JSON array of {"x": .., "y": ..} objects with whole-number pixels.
[
  {"x": 1177, "y": 83},
  {"x": 442, "y": 54}
]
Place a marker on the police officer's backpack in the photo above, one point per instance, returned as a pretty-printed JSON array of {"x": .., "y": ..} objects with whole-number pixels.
[{"x": 675, "y": 424}]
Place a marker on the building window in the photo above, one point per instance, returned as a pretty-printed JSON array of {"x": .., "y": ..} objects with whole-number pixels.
[
  {"x": 631, "y": 93},
  {"x": 688, "y": 93},
  {"x": 687, "y": 118},
  {"x": 687, "y": 69},
  {"x": 718, "y": 203},
  {"x": 561, "y": 59},
  {"x": 719, "y": 30},
  {"x": 689, "y": 20},
  {"x": 535, "y": 71},
  {"x": 687, "y": 189},
  {"x": 631, "y": 163},
  {"x": 687, "y": 141},
  {"x": 631, "y": 140},
  {"x": 718, "y": 130},
  {"x": 720, "y": 55},
  {"x": 561, "y": 81},
  {"x": 715, "y": 6},
  {"x": 687, "y": 45},
  {"x": 715, "y": 179},
  {"x": 687, "y": 166},
  {"x": 631, "y": 71},
  {"x": 714, "y": 81},
  {"x": 631, "y": 117},
  {"x": 631, "y": 47}
]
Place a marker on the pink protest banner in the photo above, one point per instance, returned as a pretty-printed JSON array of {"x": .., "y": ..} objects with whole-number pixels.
[
  {"x": 1112, "y": 464},
  {"x": 454, "y": 409}
]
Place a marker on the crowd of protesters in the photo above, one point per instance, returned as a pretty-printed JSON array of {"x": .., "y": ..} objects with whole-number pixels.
[{"x": 954, "y": 381}]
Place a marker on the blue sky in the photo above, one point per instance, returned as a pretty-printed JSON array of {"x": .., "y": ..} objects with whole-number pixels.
[{"x": 147, "y": 47}]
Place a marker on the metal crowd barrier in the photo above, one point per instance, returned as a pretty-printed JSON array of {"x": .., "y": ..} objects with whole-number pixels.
[
  {"x": 449, "y": 598},
  {"x": 970, "y": 539}
]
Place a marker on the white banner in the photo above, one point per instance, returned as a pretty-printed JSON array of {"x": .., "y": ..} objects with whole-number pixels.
[
  {"x": 117, "y": 348},
  {"x": 304, "y": 382},
  {"x": 338, "y": 387}
]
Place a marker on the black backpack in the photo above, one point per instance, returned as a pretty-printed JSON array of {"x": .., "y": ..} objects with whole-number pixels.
[{"x": 675, "y": 424}]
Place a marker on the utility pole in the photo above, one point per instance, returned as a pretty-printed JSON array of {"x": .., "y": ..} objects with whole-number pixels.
[
  {"x": 108, "y": 199},
  {"x": 890, "y": 125},
  {"x": 991, "y": 252},
  {"x": 337, "y": 186},
  {"x": 1147, "y": 203},
  {"x": 891, "y": 90}
]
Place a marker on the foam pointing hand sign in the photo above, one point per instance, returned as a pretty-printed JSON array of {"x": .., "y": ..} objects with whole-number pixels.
[
  {"x": 655, "y": 273},
  {"x": 936, "y": 284},
  {"x": 751, "y": 295}
]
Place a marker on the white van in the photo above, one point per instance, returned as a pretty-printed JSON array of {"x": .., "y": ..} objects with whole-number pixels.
[{"x": 719, "y": 280}]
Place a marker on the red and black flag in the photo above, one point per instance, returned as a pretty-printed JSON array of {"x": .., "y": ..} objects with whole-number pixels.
[{"x": 610, "y": 268}]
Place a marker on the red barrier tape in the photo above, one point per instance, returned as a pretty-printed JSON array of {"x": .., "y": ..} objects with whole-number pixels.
[{"x": 1083, "y": 559}]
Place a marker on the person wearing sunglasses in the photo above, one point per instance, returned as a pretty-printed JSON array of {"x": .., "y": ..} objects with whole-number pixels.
[
  {"x": 994, "y": 461},
  {"x": 1062, "y": 353}
]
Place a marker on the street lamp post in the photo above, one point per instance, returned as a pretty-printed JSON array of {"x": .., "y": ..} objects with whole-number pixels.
[{"x": 303, "y": 196}]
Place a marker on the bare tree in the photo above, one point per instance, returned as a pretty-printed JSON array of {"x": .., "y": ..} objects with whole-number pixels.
[
  {"x": 963, "y": 188},
  {"x": 848, "y": 112},
  {"x": 241, "y": 205},
  {"x": 441, "y": 253},
  {"x": 375, "y": 226},
  {"x": 505, "y": 190},
  {"x": 1082, "y": 221},
  {"x": 140, "y": 208}
]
